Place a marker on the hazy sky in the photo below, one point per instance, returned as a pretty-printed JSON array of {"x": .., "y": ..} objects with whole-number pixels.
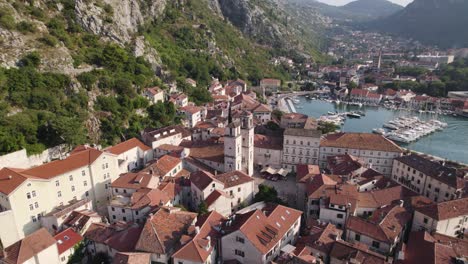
[{"x": 344, "y": 2}]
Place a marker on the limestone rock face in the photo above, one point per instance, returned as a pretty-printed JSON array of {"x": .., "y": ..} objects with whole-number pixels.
[
  {"x": 251, "y": 20},
  {"x": 119, "y": 21}
]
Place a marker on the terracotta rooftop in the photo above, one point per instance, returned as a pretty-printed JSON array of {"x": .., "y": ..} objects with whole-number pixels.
[
  {"x": 203, "y": 243},
  {"x": 233, "y": 178},
  {"x": 214, "y": 196},
  {"x": 265, "y": 229},
  {"x": 67, "y": 239},
  {"x": 365, "y": 141},
  {"x": 148, "y": 197},
  {"x": 201, "y": 179},
  {"x": 126, "y": 146},
  {"x": 446, "y": 210},
  {"x": 300, "y": 132},
  {"x": 151, "y": 134},
  {"x": 435, "y": 249},
  {"x": 73, "y": 162},
  {"x": 131, "y": 258},
  {"x": 120, "y": 236},
  {"x": 321, "y": 237},
  {"x": 79, "y": 219},
  {"x": 294, "y": 116},
  {"x": 385, "y": 225},
  {"x": 190, "y": 109},
  {"x": 206, "y": 151},
  {"x": 132, "y": 180},
  {"x": 268, "y": 142},
  {"x": 346, "y": 252},
  {"x": 163, "y": 165},
  {"x": 28, "y": 247},
  {"x": 154, "y": 90},
  {"x": 343, "y": 164},
  {"x": 11, "y": 178},
  {"x": 306, "y": 172},
  {"x": 162, "y": 231}
]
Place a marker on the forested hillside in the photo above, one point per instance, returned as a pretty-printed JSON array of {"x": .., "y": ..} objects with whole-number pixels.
[{"x": 72, "y": 71}]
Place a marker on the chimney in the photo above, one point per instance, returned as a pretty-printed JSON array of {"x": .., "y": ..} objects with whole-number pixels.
[
  {"x": 209, "y": 243},
  {"x": 197, "y": 230}
]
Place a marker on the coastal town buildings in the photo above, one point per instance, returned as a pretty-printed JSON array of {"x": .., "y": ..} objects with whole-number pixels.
[
  {"x": 258, "y": 235},
  {"x": 35, "y": 192},
  {"x": 449, "y": 218},
  {"x": 433, "y": 179},
  {"x": 375, "y": 151},
  {"x": 300, "y": 146}
]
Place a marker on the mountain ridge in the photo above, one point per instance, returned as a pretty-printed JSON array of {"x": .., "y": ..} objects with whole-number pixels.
[
  {"x": 437, "y": 22},
  {"x": 372, "y": 8}
]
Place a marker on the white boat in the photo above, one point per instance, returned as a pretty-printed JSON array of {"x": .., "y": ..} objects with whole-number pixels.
[
  {"x": 390, "y": 126},
  {"x": 379, "y": 131},
  {"x": 353, "y": 115}
]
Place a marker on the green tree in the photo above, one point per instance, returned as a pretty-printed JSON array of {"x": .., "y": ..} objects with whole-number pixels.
[
  {"x": 202, "y": 208},
  {"x": 32, "y": 59},
  {"x": 267, "y": 194},
  {"x": 327, "y": 127}
]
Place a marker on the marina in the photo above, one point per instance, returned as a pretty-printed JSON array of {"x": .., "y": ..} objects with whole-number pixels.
[{"x": 448, "y": 139}]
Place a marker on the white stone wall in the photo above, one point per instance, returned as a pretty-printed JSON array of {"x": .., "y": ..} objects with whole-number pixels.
[
  {"x": 383, "y": 247},
  {"x": 300, "y": 150},
  {"x": 448, "y": 227},
  {"x": 230, "y": 244},
  {"x": 271, "y": 157},
  {"x": 9, "y": 233},
  {"x": 48, "y": 255},
  {"x": 20, "y": 159},
  {"x": 423, "y": 184}
]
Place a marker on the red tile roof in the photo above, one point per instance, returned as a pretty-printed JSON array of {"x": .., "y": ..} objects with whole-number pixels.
[
  {"x": 214, "y": 196},
  {"x": 154, "y": 90},
  {"x": 148, "y": 198},
  {"x": 11, "y": 178},
  {"x": 306, "y": 172},
  {"x": 268, "y": 142},
  {"x": 28, "y": 247},
  {"x": 162, "y": 231},
  {"x": 74, "y": 161},
  {"x": 163, "y": 165},
  {"x": 265, "y": 229},
  {"x": 343, "y": 164},
  {"x": 121, "y": 237},
  {"x": 364, "y": 141},
  {"x": 67, "y": 239},
  {"x": 435, "y": 249},
  {"x": 233, "y": 178},
  {"x": 199, "y": 248},
  {"x": 190, "y": 109},
  {"x": 202, "y": 179},
  {"x": 360, "y": 253},
  {"x": 321, "y": 237},
  {"x": 385, "y": 225},
  {"x": 446, "y": 210},
  {"x": 126, "y": 146},
  {"x": 132, "y": 180},
  {"x": 131, "y": 258},
  {"x": 206, "y": 151}
]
